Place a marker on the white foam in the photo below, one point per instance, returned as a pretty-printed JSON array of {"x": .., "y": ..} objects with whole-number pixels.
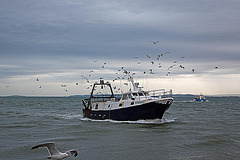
[
  {"x": 61, "y": 116},
  {"x": 152, "y": 121},
  {"x": 183, "y": 101}
]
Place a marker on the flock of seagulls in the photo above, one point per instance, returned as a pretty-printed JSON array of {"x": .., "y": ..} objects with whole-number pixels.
[{"x": 154, "y": 61}]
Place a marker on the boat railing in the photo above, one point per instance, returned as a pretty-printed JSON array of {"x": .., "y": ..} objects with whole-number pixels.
[
  {"x": 160, "y": 93},
  {"x": 101, "y": 99},
  {"x": 104, "y": 98}
]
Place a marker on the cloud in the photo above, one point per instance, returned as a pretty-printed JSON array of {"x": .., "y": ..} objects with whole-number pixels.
[{"x": 59, "y": 40}]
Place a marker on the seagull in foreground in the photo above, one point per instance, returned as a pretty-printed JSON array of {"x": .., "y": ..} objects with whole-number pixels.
[{"x": 54, "y": 153}]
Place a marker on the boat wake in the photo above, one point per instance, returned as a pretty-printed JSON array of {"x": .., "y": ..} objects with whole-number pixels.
[
  {"x": 152, "y": 121},
  {"x": 59, "y": 116}
]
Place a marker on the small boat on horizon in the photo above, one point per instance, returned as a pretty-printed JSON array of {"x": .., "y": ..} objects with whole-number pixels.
[
  {"x": 133, "y": 105},
  {"x": 201, "y": 98}
]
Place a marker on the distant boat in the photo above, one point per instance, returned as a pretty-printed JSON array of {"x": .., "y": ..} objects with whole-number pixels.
[
  {"x": 201, "y": 98},
  {"x": 131, "y": 106}
]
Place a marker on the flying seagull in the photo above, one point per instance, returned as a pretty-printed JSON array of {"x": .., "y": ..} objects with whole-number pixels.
[
  {"x": 155, "y": 42},
  {"x": 54, "y": 153},
  {"x": 148, "y": 56}
]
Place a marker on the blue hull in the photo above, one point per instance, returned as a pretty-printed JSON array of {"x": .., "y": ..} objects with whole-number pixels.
[
  {"x": 200, "y": 100},
  {"x": 145, "y": 111}
]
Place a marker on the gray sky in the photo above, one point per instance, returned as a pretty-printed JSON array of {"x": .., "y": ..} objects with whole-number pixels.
[{"x": 58, "y": 42}]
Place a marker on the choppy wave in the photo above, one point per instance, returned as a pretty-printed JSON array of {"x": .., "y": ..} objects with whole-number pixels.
[
  {"x": 195, "y": 130},
  {"x": 191, "y": 101},
  {"x": 152, "y": 121}
]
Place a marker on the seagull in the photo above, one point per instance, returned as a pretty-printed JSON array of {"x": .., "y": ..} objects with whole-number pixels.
[
  {"x": 37, "y": 79},
  {"x": 171, "y": 66},
  {"x": 104, "y": 64},
  {"x": 181, "y": 66},
  {"x": 155, "y": 42},
  {"x": 54, "y": 153},
  {"x": 193, "y": 70}
]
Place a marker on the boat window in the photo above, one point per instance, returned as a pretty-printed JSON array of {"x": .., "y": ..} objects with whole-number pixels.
[
  {"x": 125, "y": 96},
  {"x": 129, "y": 96},
  {"x": 96, "y": 107},
  {"x": 141, "y": 94},
  {"x": 120, "y": 104},
  {"x": 134, "y": 94}
]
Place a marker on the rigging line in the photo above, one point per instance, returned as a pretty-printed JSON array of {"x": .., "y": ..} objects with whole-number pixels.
[
  {"x": 121, "y": 85},
  {"x": 106, "y": 90}
]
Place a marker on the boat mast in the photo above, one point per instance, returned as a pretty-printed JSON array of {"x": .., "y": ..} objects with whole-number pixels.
[{"x": 134, "y": 84}]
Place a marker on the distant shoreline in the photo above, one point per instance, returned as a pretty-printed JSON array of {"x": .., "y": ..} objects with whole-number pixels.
[{"x": 82, "y": 96}]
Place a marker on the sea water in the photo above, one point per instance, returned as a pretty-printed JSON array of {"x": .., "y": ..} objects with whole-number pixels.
[{"x": 188, "y": 130}]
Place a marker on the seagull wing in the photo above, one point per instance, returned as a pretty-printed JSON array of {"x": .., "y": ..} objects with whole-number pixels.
[
  {"x": 50, "y": 146},
  {"x": 73, "y": 152}
]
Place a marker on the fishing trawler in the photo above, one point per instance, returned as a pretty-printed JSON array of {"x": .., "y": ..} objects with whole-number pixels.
[
  {"x": 136, "y": 104},
  {"x": 201, "y": 98}
]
